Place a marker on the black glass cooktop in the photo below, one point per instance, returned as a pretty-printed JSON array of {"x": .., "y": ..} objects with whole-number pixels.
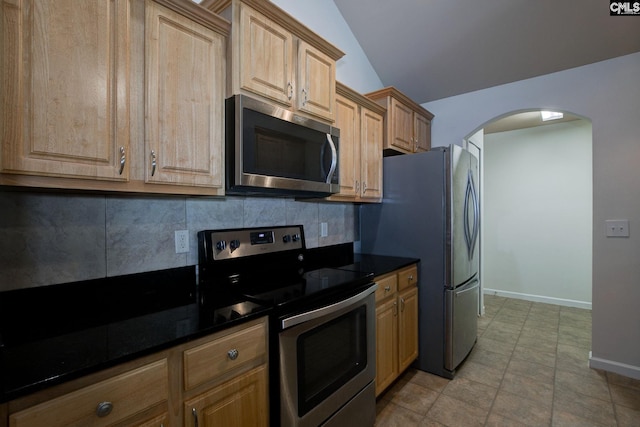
[{"x": 308, "y": 287}]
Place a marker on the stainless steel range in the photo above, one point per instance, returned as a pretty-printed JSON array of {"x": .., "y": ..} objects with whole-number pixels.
[{"x": 322, "y": 322}]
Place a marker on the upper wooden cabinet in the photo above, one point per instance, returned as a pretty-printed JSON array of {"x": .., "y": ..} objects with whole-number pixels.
[
  {"x": 95, "y": 93},
  {"x": 408, "y": 124},
  {"x": 65, "y": 88},
  {"x": 361, "y": 124},
  {"x": 279, "y": 59},
  {"x": 184, "y": 71}
]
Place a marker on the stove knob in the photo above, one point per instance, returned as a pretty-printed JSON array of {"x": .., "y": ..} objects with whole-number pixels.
[
  {"x": 234, "y": 244},
  {"x": 221, "y": 245},
  {"x": 286, "y": 238},
  {"x": 296, "y": 237}
]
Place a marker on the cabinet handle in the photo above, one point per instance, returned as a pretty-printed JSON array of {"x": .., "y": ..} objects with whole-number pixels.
[
  {"x": 304, "y": 92},
  {"x": 411, "y": 278},
  {"x": 357, "y": 186},
  {"x": 395, "y": 308},
  {"x": 123, "y": 160},
  {"x": 233, "y": 354},
  {"x": 364, "y": 187},
  {"x": 153, "y": 162},
  {"x": 194, "y": 412},
  {"x": 402, "y": 305},
  {"x": 103, "y": 409},
  {"x": 387, "y": 288},
  {"x": 290, "y": 87}
]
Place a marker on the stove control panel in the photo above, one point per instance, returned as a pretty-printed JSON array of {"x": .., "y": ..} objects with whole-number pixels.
[{"x": 214, "y": 245}]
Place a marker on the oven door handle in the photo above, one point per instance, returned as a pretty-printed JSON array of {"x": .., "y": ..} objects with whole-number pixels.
[{"x": 327, "y": 310}]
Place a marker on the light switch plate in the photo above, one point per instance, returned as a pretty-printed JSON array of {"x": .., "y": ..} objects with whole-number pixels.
[{"x": 617, "y": 227}]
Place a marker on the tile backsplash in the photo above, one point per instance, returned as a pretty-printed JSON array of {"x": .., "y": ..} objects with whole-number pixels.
[{"x": 51, "y": 238}]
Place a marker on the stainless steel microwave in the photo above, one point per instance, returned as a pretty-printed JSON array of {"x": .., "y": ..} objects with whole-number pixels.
[{"x": 273, "y": 151}]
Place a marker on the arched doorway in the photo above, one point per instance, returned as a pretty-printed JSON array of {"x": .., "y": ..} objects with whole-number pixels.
[{"x": 536, "y": 202}]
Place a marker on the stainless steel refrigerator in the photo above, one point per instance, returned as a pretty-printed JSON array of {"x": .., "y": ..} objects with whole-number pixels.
[{"x": 431, "y": 211}]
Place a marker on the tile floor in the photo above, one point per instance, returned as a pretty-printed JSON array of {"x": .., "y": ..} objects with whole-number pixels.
[{"x": 528, "y": 368}]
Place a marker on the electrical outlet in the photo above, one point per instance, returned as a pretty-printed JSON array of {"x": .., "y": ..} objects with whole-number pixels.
[
  {"x": 182, "y": 241},
  {"x": 617, "y": 227},
  {"x": 324, "y": 229}
]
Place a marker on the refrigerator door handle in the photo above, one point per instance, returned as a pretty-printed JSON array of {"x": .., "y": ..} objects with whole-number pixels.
[
  {"x": 467, "y": 232},
  {"x": 476, "y": 214}
]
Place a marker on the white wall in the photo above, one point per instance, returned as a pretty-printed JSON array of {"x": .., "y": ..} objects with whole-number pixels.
[
  {"x": 537, "y": 213},
  {"x": 608, "y": 94}
]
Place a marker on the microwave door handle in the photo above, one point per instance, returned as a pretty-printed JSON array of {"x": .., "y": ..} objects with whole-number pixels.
[{"x": 334, "y": 159}]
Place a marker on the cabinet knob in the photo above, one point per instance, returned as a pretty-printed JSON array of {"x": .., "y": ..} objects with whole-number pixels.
[
  {"x": 411, "y": 277},
  {"x": 233, "y": 354},
  {"x": 103, "y": 409},
  {"x": 387, "y": 288}
]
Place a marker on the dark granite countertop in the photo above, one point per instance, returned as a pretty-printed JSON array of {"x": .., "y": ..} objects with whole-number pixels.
[
  {"x": 53, "y": 334},
  {"x": 379, "y": 264}
]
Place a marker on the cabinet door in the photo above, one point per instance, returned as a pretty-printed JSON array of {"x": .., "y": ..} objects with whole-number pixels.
[
  {"x": 407, "y": 327},
  {"x": 157, "y": 421},
  {"x": 347, "y": 120},
  {"x": 65, "y": 88},
  {"x": 185, "y": 96},
  {"x": 238, "y": 403},
  {"x": 266, "y": 57},
  {"x": 316, "y": 82},
  {"x": 386, "y": 344},
  {"x": 372, "y": 128},
  {"x": 401, "y": 126},
  {"x": 422, "y": 133}
]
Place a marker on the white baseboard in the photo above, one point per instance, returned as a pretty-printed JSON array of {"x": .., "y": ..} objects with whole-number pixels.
[
  {"x": 538, "y": 298},
  {"x": 617, "y": 367}
]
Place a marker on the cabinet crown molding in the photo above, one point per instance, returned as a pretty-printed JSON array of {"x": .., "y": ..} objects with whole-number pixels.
[
  {"x": 395, "y": 93},
  {"x": 355, "y": 96},
  {"x": 199, "y": 14}
]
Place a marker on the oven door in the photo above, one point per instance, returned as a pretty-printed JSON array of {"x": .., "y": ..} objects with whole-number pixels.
[{"x": 327, "y": 360}]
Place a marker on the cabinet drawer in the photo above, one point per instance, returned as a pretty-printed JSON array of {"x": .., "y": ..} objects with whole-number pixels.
[
  {"x": 128, "y": 394},
  {"x": 408, "y": 277},
  {"x": 387, "y": 286},
  {"x": 209, "y": 360}
]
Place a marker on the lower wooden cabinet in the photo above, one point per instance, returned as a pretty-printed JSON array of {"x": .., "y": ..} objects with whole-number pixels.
[
  {"x": 396, "y": 324},
  {"x": 220, "y": 379},
  {"x": 237, "y": 403},
  {"x": 104, "y": 403}
]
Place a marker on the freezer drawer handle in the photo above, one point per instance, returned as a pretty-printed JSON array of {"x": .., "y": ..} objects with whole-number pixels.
[{"x": 466, "y": 290}]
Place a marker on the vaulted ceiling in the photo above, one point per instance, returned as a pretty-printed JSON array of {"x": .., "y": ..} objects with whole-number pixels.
[{"x": 433, "y": 49}]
